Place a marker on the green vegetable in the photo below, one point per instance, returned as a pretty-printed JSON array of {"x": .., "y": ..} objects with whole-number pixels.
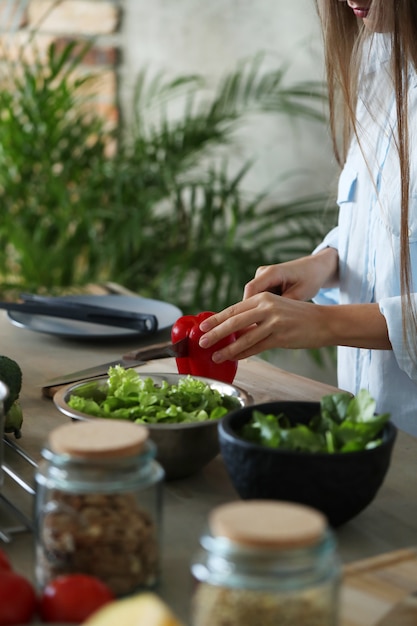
[
  {"x": 131, "y": 397},
  {"x": 344, "y": 424},
  {"x": 14, "y": 420},
  {"x": 11, "y": 376}
]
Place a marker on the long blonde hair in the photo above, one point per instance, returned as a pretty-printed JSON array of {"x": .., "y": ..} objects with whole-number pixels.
[{"x": 343, "y": 36}]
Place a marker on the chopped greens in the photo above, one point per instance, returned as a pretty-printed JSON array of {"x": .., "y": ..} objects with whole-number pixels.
[
  {"x": 129, "y": 396},
  {"x": 345, "y": 423}
]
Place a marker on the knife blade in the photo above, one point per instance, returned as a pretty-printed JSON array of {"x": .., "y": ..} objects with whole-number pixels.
[{"x": 131, "y": 359}]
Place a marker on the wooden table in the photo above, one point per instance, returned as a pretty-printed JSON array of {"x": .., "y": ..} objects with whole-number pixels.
[{"x": 389, "y": 523}]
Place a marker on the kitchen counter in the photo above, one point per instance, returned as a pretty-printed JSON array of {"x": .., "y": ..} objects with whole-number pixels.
[{"x": 389, "y": 523}]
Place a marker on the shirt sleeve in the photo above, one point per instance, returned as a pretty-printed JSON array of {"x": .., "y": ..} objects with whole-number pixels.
[
  {"x": 328, "y": 296},
  {"x": 391, "y": 310}
]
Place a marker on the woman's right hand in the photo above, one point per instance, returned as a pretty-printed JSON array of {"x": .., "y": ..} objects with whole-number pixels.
[{"x": 300, "y": 279}]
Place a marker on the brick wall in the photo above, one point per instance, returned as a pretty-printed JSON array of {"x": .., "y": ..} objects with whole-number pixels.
[{"x": 97, "y": 21}]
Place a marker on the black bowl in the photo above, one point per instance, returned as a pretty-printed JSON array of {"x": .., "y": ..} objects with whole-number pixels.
[{"x": 340, "y": 485}]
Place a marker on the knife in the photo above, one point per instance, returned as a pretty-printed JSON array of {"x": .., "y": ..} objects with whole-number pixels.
[
  {"x": 131, "y": 359},
  {"x": 141, "y": 322}
]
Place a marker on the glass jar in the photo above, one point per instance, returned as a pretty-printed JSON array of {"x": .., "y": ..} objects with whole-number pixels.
[
  {"x": 268, "y": 563},
  {"x": 98, "y": 505}
]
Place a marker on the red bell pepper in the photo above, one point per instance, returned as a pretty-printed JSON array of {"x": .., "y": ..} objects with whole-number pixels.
[{"x": 198, "y": 361}]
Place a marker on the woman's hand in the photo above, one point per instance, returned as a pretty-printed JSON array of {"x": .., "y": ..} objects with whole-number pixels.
[
  {"x": 262, "y": 322},
  {"x": 266, "y": 321},
  {"x": 300, "y": 279}
]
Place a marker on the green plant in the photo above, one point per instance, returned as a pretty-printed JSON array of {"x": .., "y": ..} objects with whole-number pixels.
[
  {"x": 161, "y": 213},
  {"x": 52, "y": 152}
]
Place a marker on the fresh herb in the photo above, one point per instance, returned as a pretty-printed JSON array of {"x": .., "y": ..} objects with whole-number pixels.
[
  {"x": 129, "y": 396},
  {"x": 344, "y": 424}
]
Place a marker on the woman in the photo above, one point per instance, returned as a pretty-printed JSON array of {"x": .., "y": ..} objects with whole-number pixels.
[{"x": 368, "y": 264}]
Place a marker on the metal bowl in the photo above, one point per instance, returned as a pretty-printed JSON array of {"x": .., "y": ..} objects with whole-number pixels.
[{"x": 182, "y": 449}]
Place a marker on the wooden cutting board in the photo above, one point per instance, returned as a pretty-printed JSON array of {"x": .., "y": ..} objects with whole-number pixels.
[{"x": 373, "y": 586}]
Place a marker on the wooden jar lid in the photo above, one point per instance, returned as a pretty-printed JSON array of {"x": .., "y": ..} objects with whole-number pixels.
[
  {"x": 99, "y": 439},
  {"x": 265, "y": 523}
]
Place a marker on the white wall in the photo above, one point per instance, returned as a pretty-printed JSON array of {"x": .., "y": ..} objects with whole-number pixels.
[{"x": 210, "y": 37}]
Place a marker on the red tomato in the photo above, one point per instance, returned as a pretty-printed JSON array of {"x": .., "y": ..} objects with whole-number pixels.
[
  {"x": 17, "y": 599},
  {"x": 4, "y": 562},
  {"x": 72, "y": 598}
]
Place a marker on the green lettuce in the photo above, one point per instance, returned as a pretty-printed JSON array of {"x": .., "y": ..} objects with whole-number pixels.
[
  {"x": 345, "y": 423},
  {"x": 129, "y": 396}
]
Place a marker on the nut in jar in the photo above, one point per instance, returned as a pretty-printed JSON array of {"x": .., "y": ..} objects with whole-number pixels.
[{"x": 98, "y": 505}]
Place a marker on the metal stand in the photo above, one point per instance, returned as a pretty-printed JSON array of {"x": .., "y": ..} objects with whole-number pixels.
[{"x": 24, "y": 522}]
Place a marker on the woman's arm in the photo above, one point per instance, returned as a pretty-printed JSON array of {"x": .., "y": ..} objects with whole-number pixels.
[
  {"x": 354, "y": 325},
  {"x": 265, "y": 321}
]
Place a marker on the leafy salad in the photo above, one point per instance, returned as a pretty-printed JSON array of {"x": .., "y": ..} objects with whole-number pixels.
[
  {"x": 129, "y": 396},
  {"x": 345, "y": 423}
]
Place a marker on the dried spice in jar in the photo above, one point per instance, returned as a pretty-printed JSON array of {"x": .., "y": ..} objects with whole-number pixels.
[
  {"x": 98, "y": 505},
  {"x": 266, "y": 563}
]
